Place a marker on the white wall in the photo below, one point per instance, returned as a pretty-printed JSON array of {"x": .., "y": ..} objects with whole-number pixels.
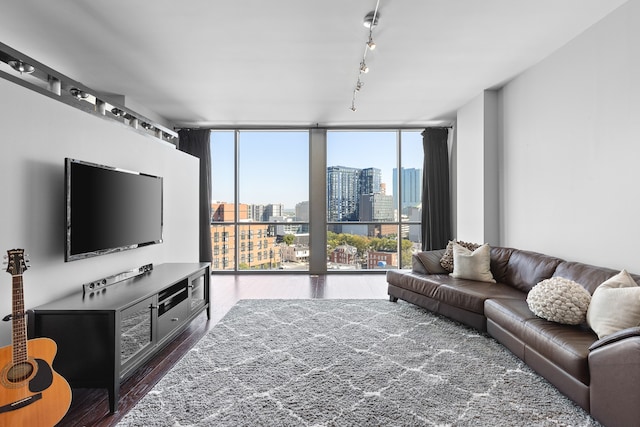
[
  {"x": 477, "y": 197},
  {"x": 37, "y": 134},
  {"x": 571, "y": 137}
]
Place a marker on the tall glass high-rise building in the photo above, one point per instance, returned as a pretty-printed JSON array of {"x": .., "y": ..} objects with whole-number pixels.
[
  {"x": 376, "y": 207},
  {"x": 411, "y": 191},
  {"x": 370, "y": 179},
  {"x": 343, "y": 185}
]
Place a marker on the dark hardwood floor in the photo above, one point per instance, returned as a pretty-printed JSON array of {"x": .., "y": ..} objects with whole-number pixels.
[{"x": 90, "y": 406}]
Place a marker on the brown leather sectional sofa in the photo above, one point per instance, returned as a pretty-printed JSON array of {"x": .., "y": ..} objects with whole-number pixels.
[{"x": 602, "y": 376}]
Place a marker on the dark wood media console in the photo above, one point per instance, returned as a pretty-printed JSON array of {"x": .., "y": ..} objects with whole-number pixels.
[{"x": 104, "y": 336}]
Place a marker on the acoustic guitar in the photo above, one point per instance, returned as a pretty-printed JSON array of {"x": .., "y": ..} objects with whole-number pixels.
[{"x": 32, "y": 394}]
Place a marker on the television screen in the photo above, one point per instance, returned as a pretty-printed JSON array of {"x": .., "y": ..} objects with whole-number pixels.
[{"x": 110, "y": 209}]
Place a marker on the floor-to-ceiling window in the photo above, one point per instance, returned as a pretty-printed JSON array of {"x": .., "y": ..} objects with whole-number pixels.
[
  {"x": 262, "y": 199},
  {"x": 260, "y": 194},
  {"x": 373, "y": 199}
]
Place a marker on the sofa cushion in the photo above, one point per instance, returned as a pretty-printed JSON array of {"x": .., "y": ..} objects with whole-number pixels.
[
  {"x": 471, "y": 294},
  {"x": 564, "y": 345},
  {"x": 559, "y": 300},
  {"x": 615, "y": 305},
  {"x": 417, "y": 266},
  {"x": 446, "y": 261},
  {"x": 428, "y": 262},
  {"x": 474, "y": 265},
  {"x": 415, "y": 282},
  {"x": 526, "y": 269},
  {"x": 499, "y": 262}
]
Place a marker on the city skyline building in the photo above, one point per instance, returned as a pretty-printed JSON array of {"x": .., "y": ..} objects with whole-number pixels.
[
  {"x": 376, "y": 207},
  {"x": 257, "y": 242},
  {"x": 342, "y": 193},
  {"x": 262, "y": 213},
  {"x": 345, "y": 187},
  {"x": 411, "y": 191},
  {"x": 256, "y": 212},
  {"x": 369, "y": 181},
  {"x": 272, "y": 210},
  {"x": 225, "y": 212},
  {"x": 302, "y": 211}
]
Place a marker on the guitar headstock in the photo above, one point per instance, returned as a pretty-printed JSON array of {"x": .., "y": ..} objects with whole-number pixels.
[{"x": 16, "y": 262}]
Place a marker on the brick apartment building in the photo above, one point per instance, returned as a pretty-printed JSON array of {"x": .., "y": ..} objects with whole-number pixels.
[{"x": 257, "y": 242}]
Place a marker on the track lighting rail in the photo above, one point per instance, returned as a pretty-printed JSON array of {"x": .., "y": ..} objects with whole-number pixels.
[
  {"x": 31, "y": 74},
  {"x": 370, "y": 20}
]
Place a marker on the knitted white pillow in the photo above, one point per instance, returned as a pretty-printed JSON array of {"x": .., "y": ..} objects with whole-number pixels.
[{"x": 559, "y": 300}]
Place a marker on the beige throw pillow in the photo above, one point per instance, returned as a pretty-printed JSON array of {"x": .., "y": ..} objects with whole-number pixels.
[
  {"x": 615, "y": 305},
  {"x": 474, "y": 265}
]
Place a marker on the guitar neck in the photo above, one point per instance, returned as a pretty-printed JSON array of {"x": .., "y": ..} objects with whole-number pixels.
[{"x": 19, "y": 329}]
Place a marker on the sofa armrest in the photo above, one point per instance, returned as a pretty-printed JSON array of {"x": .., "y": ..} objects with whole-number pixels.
[
  {"x": 617, "y": 336},
  {"x": 428, "y": 262},
  {"x": 614, "y": 367}
]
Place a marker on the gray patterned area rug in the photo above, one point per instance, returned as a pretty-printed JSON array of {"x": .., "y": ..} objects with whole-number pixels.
[{"x": 349, "y": 363}]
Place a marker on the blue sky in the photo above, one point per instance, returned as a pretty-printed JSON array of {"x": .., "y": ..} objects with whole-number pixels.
[{"x": 274, "y": 165}]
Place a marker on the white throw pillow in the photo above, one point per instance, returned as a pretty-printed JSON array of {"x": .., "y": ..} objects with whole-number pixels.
[
  {"x": 615, "y": 305},
  {"x": 474, "y": 265},
  {"x": 559, "y": 300}
]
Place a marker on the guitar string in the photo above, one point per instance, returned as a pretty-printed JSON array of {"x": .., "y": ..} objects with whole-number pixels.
[{"x": 20, "y": 365}]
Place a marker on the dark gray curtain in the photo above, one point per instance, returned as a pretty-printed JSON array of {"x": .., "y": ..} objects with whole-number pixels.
[
  {"x": 196, "y": 143},
  {"x": 436, "y": 199}
]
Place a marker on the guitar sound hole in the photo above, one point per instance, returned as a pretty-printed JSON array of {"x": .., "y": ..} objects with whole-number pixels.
[{"x": 19, "y": 372}]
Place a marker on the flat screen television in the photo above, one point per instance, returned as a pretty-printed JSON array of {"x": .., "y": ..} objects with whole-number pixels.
[{"x": 110, "y": 209}]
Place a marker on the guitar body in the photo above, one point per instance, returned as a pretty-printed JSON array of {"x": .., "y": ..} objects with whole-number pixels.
[{"x": 31, "y": 392}]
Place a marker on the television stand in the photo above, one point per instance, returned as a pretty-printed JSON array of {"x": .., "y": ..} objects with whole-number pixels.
[{"x": 105, "y": 335}]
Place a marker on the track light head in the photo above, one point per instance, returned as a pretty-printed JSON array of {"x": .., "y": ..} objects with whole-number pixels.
[
  {"x": 80, "y": 94},
  {"x": 363, "y": 68},
  {"x": 371, "y": 44},
  {"x": 21, "y": 67}
]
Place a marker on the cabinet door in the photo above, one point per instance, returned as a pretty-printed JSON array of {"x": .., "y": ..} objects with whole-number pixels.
[
  {"x": 198, "y": 291},
  {"x": 136, "y": 332}
]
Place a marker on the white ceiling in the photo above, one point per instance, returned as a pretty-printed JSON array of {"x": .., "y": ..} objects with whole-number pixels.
[{"x": 294, "y": 62}]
